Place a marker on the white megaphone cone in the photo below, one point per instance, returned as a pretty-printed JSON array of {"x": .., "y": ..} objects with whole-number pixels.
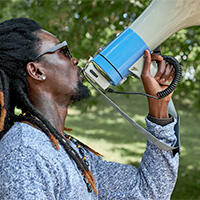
[
  {"x": 160, "y": 20},
  {"x": 123, "y": 56}
]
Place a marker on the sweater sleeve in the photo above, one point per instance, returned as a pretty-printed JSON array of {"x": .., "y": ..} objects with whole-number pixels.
[
  {"x": 154, "y": 179},
  {"x": 24, "y": 174}
]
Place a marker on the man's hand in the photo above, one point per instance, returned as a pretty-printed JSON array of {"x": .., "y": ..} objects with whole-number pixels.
[{"x": 153, "y": 85}]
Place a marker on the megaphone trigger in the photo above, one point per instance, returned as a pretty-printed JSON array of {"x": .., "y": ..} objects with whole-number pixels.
[
  {"x": 157, "y": 50},
  {"x": 177, "y": 76}
]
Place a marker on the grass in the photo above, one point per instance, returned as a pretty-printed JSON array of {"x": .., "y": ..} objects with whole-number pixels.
[{"x": 106, "y": 131}]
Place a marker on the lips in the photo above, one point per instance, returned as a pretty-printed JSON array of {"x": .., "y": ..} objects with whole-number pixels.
[{"x": 81, "y": 77}]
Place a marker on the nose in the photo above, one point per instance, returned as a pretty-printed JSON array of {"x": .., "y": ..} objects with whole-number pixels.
[{"x": 75, "y": 61}]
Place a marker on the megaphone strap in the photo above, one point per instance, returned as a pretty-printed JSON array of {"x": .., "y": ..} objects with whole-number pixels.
[
  {"x": 146, "y": 133},
  {"x": 134, "y": 93}
]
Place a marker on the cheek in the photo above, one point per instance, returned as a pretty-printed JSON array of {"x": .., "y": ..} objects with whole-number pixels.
[
  {"x": 70, "y": 72},
  {"x": 64, "y": 74},
  {"x": 68, "y": 77},
  {"x": 74, "y": 80}
]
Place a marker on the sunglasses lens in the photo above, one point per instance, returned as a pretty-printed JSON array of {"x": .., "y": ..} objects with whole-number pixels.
[{"x": 67, "y": 52}]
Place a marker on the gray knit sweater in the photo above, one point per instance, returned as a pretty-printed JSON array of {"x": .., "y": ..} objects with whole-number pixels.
[{"x": 31, "y": 169}]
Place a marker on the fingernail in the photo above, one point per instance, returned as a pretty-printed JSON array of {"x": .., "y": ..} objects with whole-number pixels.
[{"x": 163, "y": 79}]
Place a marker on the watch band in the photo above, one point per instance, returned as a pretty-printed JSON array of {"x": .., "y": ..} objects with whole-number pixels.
[{"x": 160, "y": 121}]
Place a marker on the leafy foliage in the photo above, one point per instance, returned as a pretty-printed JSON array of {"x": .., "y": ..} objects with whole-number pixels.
[{"x": 88, "y": 25}]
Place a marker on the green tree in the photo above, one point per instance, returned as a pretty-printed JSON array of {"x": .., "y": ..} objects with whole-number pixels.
[{"x": 88, "y": 25}]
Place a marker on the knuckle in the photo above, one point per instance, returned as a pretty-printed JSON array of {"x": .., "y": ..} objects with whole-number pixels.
[
  {"x": 144, "y": 75},
  {"x": 159, "y": 73}
]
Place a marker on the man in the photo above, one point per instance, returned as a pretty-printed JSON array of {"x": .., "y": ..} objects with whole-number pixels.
[{"x": 37, "y": 159}]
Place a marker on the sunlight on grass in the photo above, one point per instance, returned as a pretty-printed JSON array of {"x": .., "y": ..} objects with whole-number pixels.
[
  {"x": 17, "y": 111},
  {"x": 103, "y": 129}
]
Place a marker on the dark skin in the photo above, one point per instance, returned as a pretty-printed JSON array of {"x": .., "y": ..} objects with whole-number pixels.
[
  {"x": 152, "y": 85},
  {"x": 52, "y": 95},
  {"x": 53, "y": 80}
]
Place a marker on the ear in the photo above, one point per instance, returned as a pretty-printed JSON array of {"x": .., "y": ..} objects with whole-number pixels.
[{"x": 35, "y": 70}]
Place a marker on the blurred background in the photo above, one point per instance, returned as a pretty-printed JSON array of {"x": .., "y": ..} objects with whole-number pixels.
[{"x": 88, "y": 25}]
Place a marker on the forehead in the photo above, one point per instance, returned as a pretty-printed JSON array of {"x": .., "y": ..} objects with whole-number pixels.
[{"x": 48, "y": 40}]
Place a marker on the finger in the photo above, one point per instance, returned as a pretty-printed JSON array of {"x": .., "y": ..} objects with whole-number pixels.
[
  {"x": 172, "y": 74},
  {"x": 166, "y": 75},
  {"x": 156, "y": 57},
  {"x": 173, "y": 71},
  {"x": 161, "y": 70},
  {"x": 147, "y": 63}
]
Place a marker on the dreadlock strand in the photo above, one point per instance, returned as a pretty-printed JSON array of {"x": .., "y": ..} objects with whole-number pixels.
[
  {"x": 19, "y": 45},
  {"x": 3, "y": 111},
  {"x": 90, "y": 149},
  {"x": 88, "y": 175},
  {"x": 82, "y": 144},
  {"x": 28, "y": 106},
  {"x": 54, "y": 141},
  {"x": 80, "y": 163},
  {"x": 67, "y": 129},
  {"x": 4, "y": 100}
]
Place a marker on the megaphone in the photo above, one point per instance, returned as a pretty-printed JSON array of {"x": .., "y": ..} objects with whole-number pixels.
[{"x": 124, "y": 55}]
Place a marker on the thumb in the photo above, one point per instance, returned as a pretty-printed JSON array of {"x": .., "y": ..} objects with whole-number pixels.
[{"x": 147, "y": 63}]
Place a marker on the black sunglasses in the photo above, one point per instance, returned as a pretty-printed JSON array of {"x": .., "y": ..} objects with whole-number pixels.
[{"x": 62, "y": 46}]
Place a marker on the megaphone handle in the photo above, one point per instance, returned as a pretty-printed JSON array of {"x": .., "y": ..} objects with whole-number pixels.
[{"x": 178, "y": 71}]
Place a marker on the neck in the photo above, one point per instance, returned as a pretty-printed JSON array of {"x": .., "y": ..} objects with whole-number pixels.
[{"x": 53, "y": 110}]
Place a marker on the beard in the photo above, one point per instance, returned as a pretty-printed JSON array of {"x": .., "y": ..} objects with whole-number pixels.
[{"x": 82, "y": 92}]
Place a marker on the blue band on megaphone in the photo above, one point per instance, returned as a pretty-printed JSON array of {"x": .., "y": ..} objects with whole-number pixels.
[
  {"x": 116, "y": 58},
  {"x": 108, "y": 68}
]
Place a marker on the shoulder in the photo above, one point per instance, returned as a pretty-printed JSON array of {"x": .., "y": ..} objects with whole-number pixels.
[{"x": 23, "y": 137}]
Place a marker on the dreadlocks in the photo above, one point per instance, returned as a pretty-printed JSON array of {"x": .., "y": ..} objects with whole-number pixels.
[{"x": 19, "y": 45}]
